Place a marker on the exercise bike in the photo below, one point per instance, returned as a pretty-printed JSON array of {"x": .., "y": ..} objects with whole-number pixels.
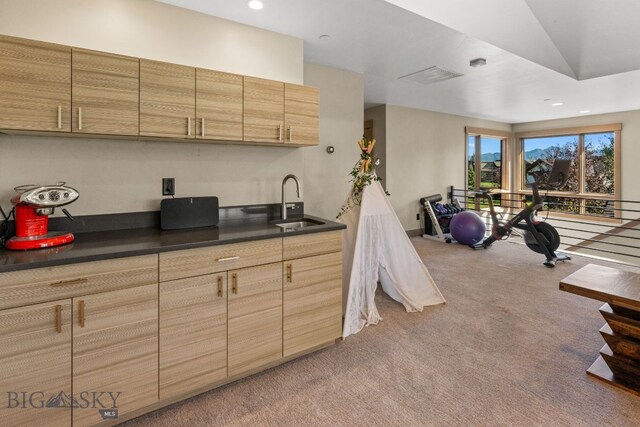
[{"x": 539, "y": 236}]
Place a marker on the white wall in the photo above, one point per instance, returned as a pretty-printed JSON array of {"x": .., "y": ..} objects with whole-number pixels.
[
  {"x": 153, "y": 30},
  {"x": 326, "y": 176},
  {"x": 425, "y": 154},
  {"x": 379, "y": 117},
  {"x": 125, "y": 176}
]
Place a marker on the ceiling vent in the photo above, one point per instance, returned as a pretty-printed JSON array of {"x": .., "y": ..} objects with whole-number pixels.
[{"x": 431, "y": 75}]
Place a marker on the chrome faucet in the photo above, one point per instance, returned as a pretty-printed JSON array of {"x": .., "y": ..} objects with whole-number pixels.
[{"x": 298, "y": 189}]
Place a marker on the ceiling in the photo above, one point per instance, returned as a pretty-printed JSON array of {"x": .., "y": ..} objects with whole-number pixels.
[{"x": 538, "y": 52}]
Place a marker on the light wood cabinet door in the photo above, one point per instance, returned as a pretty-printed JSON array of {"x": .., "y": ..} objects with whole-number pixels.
[
  {"x": 219, "y": 105},
  {"x": 263, "y": 110},
  {"x": 35, "y": 357},
  {"x": 35, "y": 85},
  {"x": 167, "y": 100},
  {"x": 301, "y": 114},
  {"x": 193, "y": 333},
  {"x": 255, "y": 317},
  {"x": 115, "y": 350},
  {"x": 312, "y": 302},
  {"x": 105, "y": 95}
]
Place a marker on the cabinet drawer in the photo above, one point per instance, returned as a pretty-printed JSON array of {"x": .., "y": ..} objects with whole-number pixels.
[
  {"x": 311, "y": 244},
  {"x": 38, "y": 285},
  {"x": 197, "y": 262}
]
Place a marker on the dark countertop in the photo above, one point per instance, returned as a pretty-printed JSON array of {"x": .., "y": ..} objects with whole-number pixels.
[{"x": 100, "y": 245}]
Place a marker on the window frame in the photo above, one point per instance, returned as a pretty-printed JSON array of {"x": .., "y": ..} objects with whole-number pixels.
[
  {"x": 583, "y": 196},
  {"x": 505, "y": 138}
]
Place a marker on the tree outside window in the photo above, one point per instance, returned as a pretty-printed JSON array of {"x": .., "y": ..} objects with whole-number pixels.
[
  {"x": 599, "y": 173},
  {"x": 592, "y": 171}
]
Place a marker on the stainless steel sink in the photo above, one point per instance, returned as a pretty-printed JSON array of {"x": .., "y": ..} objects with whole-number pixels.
[{"x": 298, "y": 225}]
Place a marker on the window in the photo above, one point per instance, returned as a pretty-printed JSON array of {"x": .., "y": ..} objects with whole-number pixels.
[
  {"x": 591, "y": 187},
  {"x": 539, "y": 154},
  {"x": 486, "y": 160},
  {"x": 599, "y": 173}
]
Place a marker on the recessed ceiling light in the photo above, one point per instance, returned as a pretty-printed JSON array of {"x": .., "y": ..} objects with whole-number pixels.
[
  {"x": 585, "y": 111},
  {"x": 255, "y": 4},
  {"x": 324, "y": 37},
  {"x": 557, "y": 104}
]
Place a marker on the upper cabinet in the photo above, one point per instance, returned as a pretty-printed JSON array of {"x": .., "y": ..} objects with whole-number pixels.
[
  {"x": 263, "y": 110},
  {"x": 105, "y": 93},
  {"x": 177, "y": 101},
  {"x": 280, "y": 112},
  {"x": 301, "y": 114},
  {"x": 35, "y": 83},
  {"x": 219, "y": 105},
  {"x": 167, "y": 100},
  {"x": 47, "y": 87}
]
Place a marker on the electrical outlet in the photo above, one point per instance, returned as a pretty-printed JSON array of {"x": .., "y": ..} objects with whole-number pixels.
[
  {"x": 168, "y": 186},
  {"x": 417, "y": 217}
]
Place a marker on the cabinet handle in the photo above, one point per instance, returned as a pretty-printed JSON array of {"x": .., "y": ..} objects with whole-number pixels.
[
  {"x": 290, "y": 134},
  {"x": 289, "y": 273},
  {"x": 69, "y": 282},
  {"x": 79, "y": 118},
  {"x": 81, "y": 313},
  {"x": 229, "y": 258},
  {"x": 220, "y": 286},
  {"x": 58, "y": 318},
  {"x": 188, "y": 126},
  {"x": 202, "y": 128},
  {"x": 234, "y": 283},
  {"x": 280, "y": 133},
  {"x": 59, "y": 117}
]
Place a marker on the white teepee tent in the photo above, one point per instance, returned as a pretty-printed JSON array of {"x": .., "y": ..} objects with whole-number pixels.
[{"x": 376, "y": 248}]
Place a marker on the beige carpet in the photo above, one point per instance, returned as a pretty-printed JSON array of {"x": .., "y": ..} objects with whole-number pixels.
[{"x": 508, "y": 349}]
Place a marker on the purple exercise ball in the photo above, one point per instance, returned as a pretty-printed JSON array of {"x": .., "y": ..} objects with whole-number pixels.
[{"x": 467, "y": 228}]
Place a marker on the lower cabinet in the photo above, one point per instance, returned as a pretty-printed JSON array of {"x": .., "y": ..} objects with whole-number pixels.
[
  {"x": 35, "y": 364},
  {"x": 114, "y": 340},
  {"x": 193, "y": 333},
  {"x": 57, "y": 367},
  {"x": 115, "y": 352},
  {"x": 312, "y": 302},
  {"x": 255, "y": 317}
]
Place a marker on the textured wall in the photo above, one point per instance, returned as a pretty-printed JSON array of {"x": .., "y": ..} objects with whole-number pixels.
[
  {"x": 123, "y": 176},
  {"x": 326, "y": 176},
  {"x": 153, "y": 30},
  {"x": 425, "y": 154},
  {"x": 379, "y": 117}
]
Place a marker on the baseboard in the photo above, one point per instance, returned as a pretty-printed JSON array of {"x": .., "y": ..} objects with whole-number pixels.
[{"x": 413, "y": 233}]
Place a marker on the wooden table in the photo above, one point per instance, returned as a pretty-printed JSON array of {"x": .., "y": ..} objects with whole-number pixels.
[{"x": 619, "y": 360}]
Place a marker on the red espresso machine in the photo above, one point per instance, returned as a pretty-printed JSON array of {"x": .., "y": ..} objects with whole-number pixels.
[{"x": 33, "y": 205}]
